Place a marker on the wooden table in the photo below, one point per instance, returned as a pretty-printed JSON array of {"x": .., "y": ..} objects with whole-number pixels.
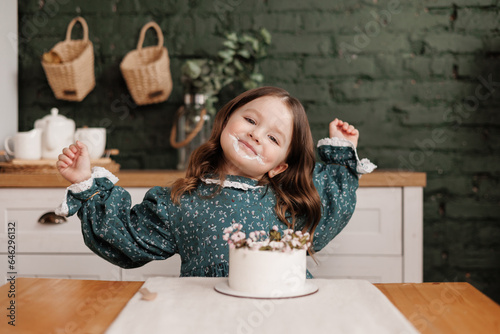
[{"x": 77, "y": 306}]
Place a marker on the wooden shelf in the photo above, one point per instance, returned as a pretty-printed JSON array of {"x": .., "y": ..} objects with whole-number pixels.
[
  {"x": 151, "y": 178},
  {"x": 393, "y": 178}
]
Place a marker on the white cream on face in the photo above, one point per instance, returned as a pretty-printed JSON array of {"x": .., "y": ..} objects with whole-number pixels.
[{"x": 236, "y": 145}]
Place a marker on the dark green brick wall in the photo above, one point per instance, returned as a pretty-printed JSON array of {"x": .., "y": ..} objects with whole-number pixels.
[{"x": 422, "y": 84}]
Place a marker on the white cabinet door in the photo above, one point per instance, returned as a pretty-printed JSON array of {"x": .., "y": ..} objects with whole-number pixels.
[
  {"x": 25, "y": 207},
  {"x": 50, "y": 250},
  {"x": 370, "y": 246},
  {"x": 375, "y": 227},
  {"x": 375, "y": 269}
]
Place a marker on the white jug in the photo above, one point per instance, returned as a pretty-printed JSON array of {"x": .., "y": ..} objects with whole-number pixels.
[
  {"x": 94, "y": 138},
  {"x": 27, "y": 145},
  {"x": 58, "y": 133}
]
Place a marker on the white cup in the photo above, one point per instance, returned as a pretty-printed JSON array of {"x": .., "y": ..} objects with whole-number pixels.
[
  {"x": 26, "y": 145},
  {"x": 94, "y": 138}
]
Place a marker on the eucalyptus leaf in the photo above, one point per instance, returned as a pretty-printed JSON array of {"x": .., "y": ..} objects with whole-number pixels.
[
  {"x": 230, "y": 44},
  {"x": 249, "y": 84},
  {"x": 238, "y": 65},
  {"x": 256, "y": 45},
  {"x": 229, "y": 71},
  {"x": 257, "y": 77},
  {"x": 247, "y": 39},
  {"x": 226, "y": 54},
  {"x": 266, "y": 35},
  {"x": 244, "y": 53},
  {"x": 227, "y": 81},
  {"x": 232, "y": 37},
  {"x": 192, "y": 69},
  {"x": 217, "y": 86},
  {"x": 226, "y": 61}
]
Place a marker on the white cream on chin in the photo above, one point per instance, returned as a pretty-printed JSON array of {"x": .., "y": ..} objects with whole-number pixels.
[{"x": 236, "y": 145}]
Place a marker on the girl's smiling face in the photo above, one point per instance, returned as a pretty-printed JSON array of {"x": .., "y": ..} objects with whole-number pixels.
[{"x": 256, "y": 138}]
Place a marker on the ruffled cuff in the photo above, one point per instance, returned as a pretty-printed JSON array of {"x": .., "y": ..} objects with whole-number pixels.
[
  {"x": 363, "y": 166},
  {"x": 83, "y": 191}
]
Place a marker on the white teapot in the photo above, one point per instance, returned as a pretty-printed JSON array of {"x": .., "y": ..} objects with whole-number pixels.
[{"x": 58, "y": 133}]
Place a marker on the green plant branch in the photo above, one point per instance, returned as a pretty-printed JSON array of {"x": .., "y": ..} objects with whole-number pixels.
[{"x": 237, "y": 62}]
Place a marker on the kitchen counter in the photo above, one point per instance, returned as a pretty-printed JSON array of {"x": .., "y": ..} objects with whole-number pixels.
[{"x": 151, "y": 178}]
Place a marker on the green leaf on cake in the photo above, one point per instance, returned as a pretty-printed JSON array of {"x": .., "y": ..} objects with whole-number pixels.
[{"x": 274, "y": 235}]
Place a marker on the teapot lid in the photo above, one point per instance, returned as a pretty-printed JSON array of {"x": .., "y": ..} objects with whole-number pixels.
[
  {"x": 54, "y": 114},
  {"x": 54, "y": 118}
]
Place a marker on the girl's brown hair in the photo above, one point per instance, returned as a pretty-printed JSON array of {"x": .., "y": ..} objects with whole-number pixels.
[{"x": 296, "y": 195}]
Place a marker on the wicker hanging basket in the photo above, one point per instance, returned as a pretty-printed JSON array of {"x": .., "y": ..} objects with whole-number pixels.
[
  {"x": 147, "y": 70},
  {"x": 69, "y": 65}
]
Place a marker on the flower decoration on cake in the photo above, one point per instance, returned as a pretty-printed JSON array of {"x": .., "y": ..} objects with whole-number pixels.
[{"x": 264, "y": 241}]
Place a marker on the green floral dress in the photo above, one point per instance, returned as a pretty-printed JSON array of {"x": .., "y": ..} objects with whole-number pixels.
[{"x": 157, "y": 229}]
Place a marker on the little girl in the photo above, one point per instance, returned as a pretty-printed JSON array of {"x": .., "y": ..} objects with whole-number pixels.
[{"x": 258, "y": 169}]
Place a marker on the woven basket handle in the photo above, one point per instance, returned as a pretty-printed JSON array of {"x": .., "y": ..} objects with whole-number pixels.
[
  {"x": 84, "y": 26},
  {"x": 143, "y": 34},
  {"x": 198, "y": 127}
]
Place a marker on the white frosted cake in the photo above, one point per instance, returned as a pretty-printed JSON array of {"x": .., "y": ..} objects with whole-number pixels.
[
  {"x": 269, "y": 273},
  {"x": 267, "y": 264}
]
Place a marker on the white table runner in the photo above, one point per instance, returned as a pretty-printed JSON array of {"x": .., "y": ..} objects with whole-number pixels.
[{"x": 191, "y": 305}]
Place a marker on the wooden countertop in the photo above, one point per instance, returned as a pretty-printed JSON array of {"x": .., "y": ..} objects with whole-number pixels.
[
  {"x": 151, "y": 178},
  {"x": 80, "y": 306}
]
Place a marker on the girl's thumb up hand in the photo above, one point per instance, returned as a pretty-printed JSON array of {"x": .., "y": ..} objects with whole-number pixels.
[{"x": 74, "y": 163}]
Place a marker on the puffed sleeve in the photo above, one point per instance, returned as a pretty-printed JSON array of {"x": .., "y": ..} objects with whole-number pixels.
[
  {"x": 337, "y": 181},
  {"x": 125, "y": 236}
]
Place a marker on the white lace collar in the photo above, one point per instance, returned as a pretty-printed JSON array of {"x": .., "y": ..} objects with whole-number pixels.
[{"x": 231, "y": 184}]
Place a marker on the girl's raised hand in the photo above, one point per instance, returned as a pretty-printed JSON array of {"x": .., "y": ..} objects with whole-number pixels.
[
  {"x": 74, "y": 163},
  {"x": 341, "y": 129}
]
